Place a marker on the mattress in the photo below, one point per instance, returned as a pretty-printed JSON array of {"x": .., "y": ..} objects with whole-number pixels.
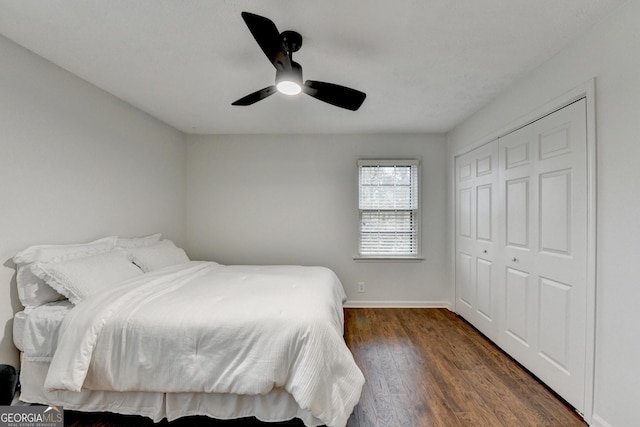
[
  {"x": 35, "y": 331},
  {"x": 19, "y": 320}
]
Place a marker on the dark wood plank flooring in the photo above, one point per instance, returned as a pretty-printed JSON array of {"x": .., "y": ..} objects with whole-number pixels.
[
  {"x": 428, "y": 367},
  {"x": 424, "y": 367}
]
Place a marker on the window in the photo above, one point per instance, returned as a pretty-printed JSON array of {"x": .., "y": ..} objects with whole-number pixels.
[{"x": 388, "y": 204}]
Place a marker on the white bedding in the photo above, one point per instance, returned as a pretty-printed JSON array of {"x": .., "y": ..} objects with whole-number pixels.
[
  {"x": 275, "y": 406},
  {"x": 35, "y": 331},
  {"x": 201, "y": 327}
]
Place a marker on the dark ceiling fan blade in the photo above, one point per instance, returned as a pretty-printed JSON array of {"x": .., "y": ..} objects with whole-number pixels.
[
  {"x": 333, "y": 94},
  {"x": 269, "y": 39},
  {"x": 256, "y": 96}
]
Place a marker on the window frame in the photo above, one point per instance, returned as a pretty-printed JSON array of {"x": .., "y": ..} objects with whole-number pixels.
[{"x": 417, "y": 212}]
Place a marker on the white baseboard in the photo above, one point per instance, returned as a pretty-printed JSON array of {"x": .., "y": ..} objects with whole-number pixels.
[
  {"x": 597, "y": 421},
  {"x": 397, "y": 304}
]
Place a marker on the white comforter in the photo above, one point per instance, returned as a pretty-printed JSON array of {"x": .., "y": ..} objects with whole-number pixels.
[{"x": 205, "y": 327}]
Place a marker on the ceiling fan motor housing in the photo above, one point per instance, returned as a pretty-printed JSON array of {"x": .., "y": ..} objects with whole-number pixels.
[{"x": 294, "y": 75}]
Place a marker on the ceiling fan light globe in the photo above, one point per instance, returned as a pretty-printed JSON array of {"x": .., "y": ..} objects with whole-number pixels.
[{"x": 288, "y": 87}]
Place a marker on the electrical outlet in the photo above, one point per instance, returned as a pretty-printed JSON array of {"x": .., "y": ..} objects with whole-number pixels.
[{"x": 361, "y": 287}]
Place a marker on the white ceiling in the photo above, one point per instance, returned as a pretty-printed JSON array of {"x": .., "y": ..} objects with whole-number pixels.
[{"x": 425, "y": 65}]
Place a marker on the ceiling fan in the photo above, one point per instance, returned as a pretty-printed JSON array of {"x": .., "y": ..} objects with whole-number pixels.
[{"x": 279, "y": 48}]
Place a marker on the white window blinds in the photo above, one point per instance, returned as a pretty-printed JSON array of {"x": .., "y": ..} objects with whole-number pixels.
[{"x": 388, "y": 203}]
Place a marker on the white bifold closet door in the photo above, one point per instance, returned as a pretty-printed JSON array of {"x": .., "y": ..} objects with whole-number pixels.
[
  {"x": 476, "y": 237},
  {"x": 537, "y": 261},
  {"x": 543, "y": 181}
]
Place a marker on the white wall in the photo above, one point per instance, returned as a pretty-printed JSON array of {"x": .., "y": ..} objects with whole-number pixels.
[
  {"x": 76, "y": 164},
  {"x": 609, "y": 52},
  {"x": 293, "y": 199}
]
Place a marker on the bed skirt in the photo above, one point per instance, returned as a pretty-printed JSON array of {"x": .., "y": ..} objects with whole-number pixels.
[{"x": 275, "y": 406}]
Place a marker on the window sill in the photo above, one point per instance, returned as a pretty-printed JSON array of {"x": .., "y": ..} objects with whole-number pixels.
[{"x": 387, "y": 259}]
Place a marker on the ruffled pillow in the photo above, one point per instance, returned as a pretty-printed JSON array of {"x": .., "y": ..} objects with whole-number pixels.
[
  {"x": 57, "y": 253},
  {"x": 80, "y": 278},
  {"x": 33, "y": 291}
]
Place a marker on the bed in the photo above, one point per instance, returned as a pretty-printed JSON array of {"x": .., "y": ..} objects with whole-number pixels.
[{"x": 132, "y": 326}]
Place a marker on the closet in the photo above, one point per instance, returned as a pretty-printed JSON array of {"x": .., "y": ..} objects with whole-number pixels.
[{"x": 521, "y": 246}]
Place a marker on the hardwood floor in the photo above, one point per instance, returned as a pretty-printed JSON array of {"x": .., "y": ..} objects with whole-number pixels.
[
  {"x": 424, "y": 367},
  {"x": 428, "y": 367}
]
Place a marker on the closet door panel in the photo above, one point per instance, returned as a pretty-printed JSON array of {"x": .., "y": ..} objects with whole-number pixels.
[
  {"x": 464, "y": 280},
  {"x": 465, "y": 213},
  {"x": 484, "y": 215},
  {"x": 555, "y": 212},
  {"x": 517, "y": 307},
  {"x": 476, "y": 240},
  {"x": 465, "y": 236},
  {"x": 516, "y": 154},
  {"x": 554, "y": 318},
  {"x": 484, "y": 281},
  {"x": 543, "y": 182},
  {"x": 517, "y": 213}
]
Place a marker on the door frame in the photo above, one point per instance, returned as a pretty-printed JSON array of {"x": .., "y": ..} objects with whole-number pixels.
[{"x": 586, "y": 91}]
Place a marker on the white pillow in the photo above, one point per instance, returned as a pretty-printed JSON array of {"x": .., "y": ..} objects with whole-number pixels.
[
  {"x": 33, "y": 291},
  {"x": 136, "y": 242},
  {"x": 57, "y": 253},
  {"x": 80, "y": 278},
  {"x": 157, "y": 256}
]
